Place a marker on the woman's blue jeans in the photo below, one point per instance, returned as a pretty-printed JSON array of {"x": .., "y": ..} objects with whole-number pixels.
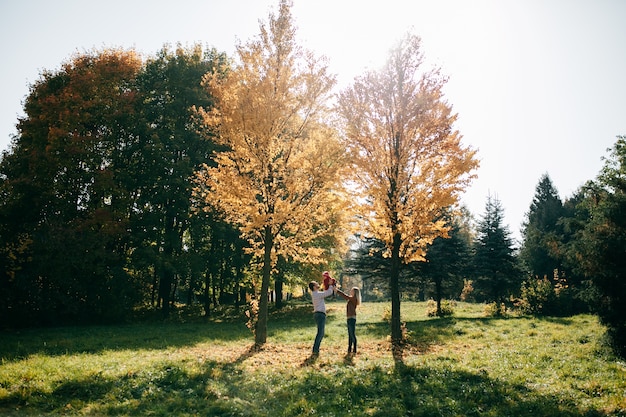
[{"x": 351, "y": 335}]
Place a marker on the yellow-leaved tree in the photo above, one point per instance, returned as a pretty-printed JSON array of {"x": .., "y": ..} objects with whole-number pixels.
[
  {"x": 408, "y": 158},
  {"x": 279, "y": 179}
]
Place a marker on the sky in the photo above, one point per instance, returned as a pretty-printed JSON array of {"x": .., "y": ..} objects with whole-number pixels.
[{"x": 539, "y": 86}]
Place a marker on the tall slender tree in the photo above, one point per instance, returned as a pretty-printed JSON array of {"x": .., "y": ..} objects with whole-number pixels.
[
  {"x": 542, "y": 231},
  {"x": 278, "y": 181},
  {"x": 495, "y": 263},
  {"x": 408, "y": 158}
]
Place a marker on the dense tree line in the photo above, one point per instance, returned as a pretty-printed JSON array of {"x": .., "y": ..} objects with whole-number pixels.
[
  {"x": 96, "y": 215},
  {"x": 475, "y": 262}
]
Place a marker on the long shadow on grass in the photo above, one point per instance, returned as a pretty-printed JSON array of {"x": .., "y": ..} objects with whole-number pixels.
[
  {"x": 95, "y": 339},
  {"x": 224, "y": 389},
  {"x": 411, "y": 391},
  {"x": 423, "y": 334},
  {"x": 15, "y": 345}
]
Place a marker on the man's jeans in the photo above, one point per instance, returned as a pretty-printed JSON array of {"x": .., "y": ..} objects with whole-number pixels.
[{"x": 320, "y": 320}]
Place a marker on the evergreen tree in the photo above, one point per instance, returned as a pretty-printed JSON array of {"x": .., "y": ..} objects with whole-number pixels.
[
  {"x": 577, "y": 213},
  {"x": 495, "y": 265},
  {"x": 447, "y": 262},
  {"x": 542, "y": 232},
  {"x": 367, "y": 261}
]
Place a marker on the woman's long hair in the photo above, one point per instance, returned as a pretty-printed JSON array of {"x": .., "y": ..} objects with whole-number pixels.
[{"x": 357, "y": 295}]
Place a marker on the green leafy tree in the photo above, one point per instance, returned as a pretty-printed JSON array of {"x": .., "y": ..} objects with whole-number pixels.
[
  {"x": 169, "y": 149},
  {"x": 602, "y": 244},
  {"x": 497, "y": 275},
  {"x": 64, "y": 218}
]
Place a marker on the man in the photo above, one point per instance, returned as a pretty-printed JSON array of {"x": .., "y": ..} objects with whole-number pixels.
[{"x": 319, "y": 312}]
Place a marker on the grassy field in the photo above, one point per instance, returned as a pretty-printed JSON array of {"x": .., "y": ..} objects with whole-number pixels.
[{"x": 467, "y": 365}]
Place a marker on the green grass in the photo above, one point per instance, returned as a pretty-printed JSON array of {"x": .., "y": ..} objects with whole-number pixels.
[{"x": 466, "y": 365}]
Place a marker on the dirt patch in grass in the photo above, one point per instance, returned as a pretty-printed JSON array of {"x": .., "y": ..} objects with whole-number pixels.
[{"x": 290, "y": 356}]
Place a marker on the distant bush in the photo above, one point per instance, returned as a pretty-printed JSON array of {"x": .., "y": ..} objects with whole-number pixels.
[
  {"x": 495, "y": 310},
  {"x": 447, "y": 308},
  {"x": 537, "y": 296},
  {"x": 548, "y": 298},
  {"x": 387, "y": 314},
  {"x": 467, "y": 294}
]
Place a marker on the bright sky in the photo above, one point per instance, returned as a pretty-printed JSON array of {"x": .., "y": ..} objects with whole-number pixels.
[{"x": 539, "y": 85}]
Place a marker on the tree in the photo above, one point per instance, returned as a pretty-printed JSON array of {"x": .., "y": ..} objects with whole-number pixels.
[
  {"x": 448, "y": 260},
  {"x": 278, "y": 180},
  {"x": 63, "y": 222},
  {"x": 366, "y": 260},
  {"x": 602, "y": 243},
  {"x": 577, "y": 214},
  {"x": 169, "y": 149},
  {"x": 408, "y": 160},
  {"x": 542, "y": 231},
  {"x": 495, "y": 264}
]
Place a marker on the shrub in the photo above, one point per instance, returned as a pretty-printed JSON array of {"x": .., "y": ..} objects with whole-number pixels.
[
  {"x": 387, "y": 314},
  {"x": 447, "y": 308},
  {"x": 467, "y": 294},
  {"x": 537, "y": 296},
  {"x": 545, "y": 297},
  {"x": 495, "y": 310}
]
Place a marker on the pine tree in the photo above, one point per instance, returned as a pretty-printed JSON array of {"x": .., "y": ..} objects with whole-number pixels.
[
  {"x": 542, "y": 232},
  {"x": 495, "y": 265},
  {"x": 447, "y": 262}
]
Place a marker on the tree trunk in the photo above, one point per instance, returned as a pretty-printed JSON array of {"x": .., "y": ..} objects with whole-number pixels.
[
  {"x": 260, "y": 333},
  {"x": 238, "y": 293},
  {"x": 438, "y": 291},
  {"x": 207, "y": 297},
  {"x": 396, "y": 328},
  {"x": 278, "y": 288},
  {"x": 165, "y": 290},
  {"x": 190, "y": 290},
  {"x": 214, "y": 289},
  {"x": 168, "y": 272},
  {"x": 155, "y": 282}
]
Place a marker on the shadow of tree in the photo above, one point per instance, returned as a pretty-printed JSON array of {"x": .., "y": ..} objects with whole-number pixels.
[
  {"x": 339, "y": 388},
  {"x": 223, "y": 389},
  {"x": 18, "y": 344},
  {"x": 94, "y": 339}
]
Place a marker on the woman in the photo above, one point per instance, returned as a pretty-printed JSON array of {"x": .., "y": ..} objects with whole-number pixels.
[{"x": 354, "y": 299}]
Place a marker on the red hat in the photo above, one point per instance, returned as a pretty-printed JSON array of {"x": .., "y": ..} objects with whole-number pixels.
[{"x": 326, "y": 274}]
